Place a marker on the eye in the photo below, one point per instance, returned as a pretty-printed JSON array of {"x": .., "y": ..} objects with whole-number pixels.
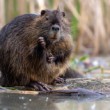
[{"x": 47, "y": 18}]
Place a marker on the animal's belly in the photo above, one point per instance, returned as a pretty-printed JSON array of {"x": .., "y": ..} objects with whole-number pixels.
[{"x": 48, "y": 73}]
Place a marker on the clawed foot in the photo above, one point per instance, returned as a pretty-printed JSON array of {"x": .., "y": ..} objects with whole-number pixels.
[
  {"x": 42, "y": 42},
  {"x": 58, "y": 81},
  {"x": 38, "y": 86},
  {"x": 50, "y": 58}
]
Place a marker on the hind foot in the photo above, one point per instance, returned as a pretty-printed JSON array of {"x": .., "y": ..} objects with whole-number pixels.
[{"x": 38, "y": 86}]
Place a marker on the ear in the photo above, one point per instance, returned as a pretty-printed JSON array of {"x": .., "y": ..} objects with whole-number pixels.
[
  {"x": 43, "y": 12},
  {"x": 63, "y": 13}
]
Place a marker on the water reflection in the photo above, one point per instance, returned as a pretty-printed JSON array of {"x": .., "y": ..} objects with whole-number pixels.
[{"x": 34, "y": 102}]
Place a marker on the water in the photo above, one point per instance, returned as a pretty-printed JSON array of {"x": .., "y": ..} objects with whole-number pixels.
[{"x": 9, "y": 101}]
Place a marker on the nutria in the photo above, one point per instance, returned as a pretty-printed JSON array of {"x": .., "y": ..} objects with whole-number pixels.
[{"x": 35, "y": 48}]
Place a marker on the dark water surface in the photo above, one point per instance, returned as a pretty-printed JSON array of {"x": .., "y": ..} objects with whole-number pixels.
[{"x": 9, "y": 101}]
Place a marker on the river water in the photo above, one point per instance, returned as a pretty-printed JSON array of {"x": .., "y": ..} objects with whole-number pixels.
[{"x": 9, "y": 101}]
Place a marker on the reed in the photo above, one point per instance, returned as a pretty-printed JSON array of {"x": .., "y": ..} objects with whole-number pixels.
[{"x": 90, "y": 20}]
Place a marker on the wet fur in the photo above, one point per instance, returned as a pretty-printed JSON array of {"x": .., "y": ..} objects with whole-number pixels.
[{"x": 22, "y": 60}]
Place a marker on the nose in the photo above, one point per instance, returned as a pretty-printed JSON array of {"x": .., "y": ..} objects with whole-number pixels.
[{"x": 55, "y": 28}]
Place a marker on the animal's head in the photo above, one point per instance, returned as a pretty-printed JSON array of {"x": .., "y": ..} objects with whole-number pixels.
[{"x": 53, "y": 24}]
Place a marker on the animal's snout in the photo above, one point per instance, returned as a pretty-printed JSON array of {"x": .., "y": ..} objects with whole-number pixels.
[
  {"x": 54, "y": 32},
  {"x": 55, "y": 28}
]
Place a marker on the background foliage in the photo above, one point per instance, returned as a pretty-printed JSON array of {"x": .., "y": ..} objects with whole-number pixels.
[{"x": 90, "y": 20}]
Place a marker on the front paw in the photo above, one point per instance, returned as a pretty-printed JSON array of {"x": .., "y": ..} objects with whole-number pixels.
[
  {"x": 58, "y": 80},
  {"x": 42, "y": 42},
  {"x": 50, "y": 58}
]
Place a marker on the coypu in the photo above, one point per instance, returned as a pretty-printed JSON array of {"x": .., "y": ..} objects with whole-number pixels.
[{"x": 35, "y": 49}]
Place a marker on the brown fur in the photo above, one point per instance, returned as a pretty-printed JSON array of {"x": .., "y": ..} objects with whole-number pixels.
[{"x": 22, "y": 60}]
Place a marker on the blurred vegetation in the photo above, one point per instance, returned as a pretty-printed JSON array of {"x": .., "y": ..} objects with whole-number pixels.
[
  {"x": 74, "y": 22},
  {"x": 90, "y": 20}
]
